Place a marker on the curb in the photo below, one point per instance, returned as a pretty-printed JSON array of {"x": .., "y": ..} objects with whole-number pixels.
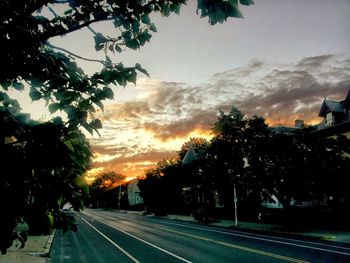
[
  {"x": 48, "y": 245},
  {"x": 47, "y": 248}
]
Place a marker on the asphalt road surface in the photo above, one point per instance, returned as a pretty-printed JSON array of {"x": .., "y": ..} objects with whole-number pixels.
[{"x": 105, "y": 236}]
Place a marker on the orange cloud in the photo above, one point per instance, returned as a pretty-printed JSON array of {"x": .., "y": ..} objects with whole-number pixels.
[{"x": 164, "y": 115}]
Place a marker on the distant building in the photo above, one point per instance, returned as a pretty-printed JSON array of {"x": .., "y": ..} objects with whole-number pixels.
[
  {"x": 336, "y": 116},
  {"x": 298, "y": 124},
  {"x": 134, "y": 197}
]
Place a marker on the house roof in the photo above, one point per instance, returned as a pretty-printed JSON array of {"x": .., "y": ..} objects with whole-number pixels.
[
  {"x": 330, "y": 106},
  {"x": 189, "y": 156}
]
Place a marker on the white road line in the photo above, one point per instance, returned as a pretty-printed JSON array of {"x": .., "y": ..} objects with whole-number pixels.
[
  {"x": 270, "y": 240},
  {"x": 112, "y": 242},
  {"x": 256, "y": 236},
  {"x": 144, "y": 241}
]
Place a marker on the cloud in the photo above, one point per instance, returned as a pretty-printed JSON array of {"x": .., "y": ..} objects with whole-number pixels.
[
  {"x": 282, "y": 93},
  {"x": 134, "y": 165},
  {"x": 164, "y": 115},
  {"x": 199, "y": 120}
]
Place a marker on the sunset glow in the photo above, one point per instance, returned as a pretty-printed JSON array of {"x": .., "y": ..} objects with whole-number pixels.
[{"x": 196, "y": 70}]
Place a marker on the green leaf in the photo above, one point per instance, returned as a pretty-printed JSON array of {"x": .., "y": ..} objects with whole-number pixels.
[
  {"x": 99, "y": 104},
  {"x": 34, "y": 94},
  {"x": 69, "y": 145},
  {"x": 139, "y": 68},
  {"x": 76, "y": 159},
  {"x": 6, "y": 84},
  {"x": 246, "y": 2},
  {"x": 18, "y": 86},
  {"x": 175, "y": 8},
  {"x": 121, "y": 80},
  {"x": 107, "y": 75},
  {"x": 57, "y": 121},
  {"x": 96, "y": 124},
  {"x": 108, "y": 92},
  {"x": 54, "y": 107},
  {"x": 234, "y": 10},
  {"x": 153, "y": 27},
  {"x": 118, "y": 48},
  {"x": 135, "y": 26},
  {"x": 145, "y": 19},
  {"x": 132, "y": 77},
  {"x": 165, "y": 10},
  {"x": 100, "y": 41},
  {"x": 132, "y": 43},
  {"x": 144, "y": 37}
]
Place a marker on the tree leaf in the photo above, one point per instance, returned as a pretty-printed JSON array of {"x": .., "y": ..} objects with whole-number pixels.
[
  {"x": 246, "y": 2},
  {"x": 100, "y": 41},
  {"x": 118, "y": 48},
  {"x": 53, "y": 107},
  {"x": 69, "y": 145},
  {"x": 108, "y": 92},
  {"x": 153, "y": 27},
  {"x": 34, "y": 94},
  {"x": 132, "y": 76},
  {"x": 6, "y": 84},
  {"x": 145, "y": 19},
  {"x": 96, "y": 124},
  {"x": 144, "y": 37},
  {"x": 132, "y": 43},
  {"x": 18, "y": 86},
  {"x": 99, "y": 104},
  {"x": 139, "y": 68}
]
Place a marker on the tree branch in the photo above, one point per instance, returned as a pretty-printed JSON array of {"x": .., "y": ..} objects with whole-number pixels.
[
  {"x": 70, "y": 30},
  {"x": 75, "y": 55}
]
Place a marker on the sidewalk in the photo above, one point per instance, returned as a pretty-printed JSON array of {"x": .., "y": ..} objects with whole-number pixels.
[
  {"x": 322, "y": 234},
  {"x": 36, "y": 250}
]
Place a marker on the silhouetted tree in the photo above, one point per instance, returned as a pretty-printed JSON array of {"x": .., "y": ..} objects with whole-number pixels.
[{"x": 104, "y": 191}]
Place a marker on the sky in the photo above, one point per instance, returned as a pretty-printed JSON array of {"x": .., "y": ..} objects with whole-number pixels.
[{"x": 279, "y": 62}]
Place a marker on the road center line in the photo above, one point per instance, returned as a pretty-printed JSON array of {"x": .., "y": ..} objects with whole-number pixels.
[
  {"x": 251, "y": 250},
  {"x": 144, "y": 241},
  {"x": 112, "y": 242},
  {"x": 271, "y": 240}
]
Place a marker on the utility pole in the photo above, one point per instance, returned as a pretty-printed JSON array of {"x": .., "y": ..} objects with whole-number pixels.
[
  {"x": 235, "y": 203},
  {"x": 120, "y": 190}
]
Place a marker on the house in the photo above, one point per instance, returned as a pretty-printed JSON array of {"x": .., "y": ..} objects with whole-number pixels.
[
  {"x": 336, "y": 116},
  {"x": 134, "y": 197}
]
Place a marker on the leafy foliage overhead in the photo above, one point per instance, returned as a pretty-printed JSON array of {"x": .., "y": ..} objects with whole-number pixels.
[{"x": 51, "y": 72}]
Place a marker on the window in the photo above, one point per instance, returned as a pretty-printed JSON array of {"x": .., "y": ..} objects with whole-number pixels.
[{"x": 329, "y": 119}]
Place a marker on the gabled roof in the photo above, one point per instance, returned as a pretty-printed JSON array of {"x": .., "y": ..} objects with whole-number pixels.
[
  {"x": 330, "y": 106},
  {"x": 189, "y": 156}
]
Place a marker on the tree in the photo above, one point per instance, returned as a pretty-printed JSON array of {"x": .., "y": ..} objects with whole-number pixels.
[
  {"x": 42, "y": 164},
  {"x": 104, "y": 191},
  {"x": 52, "y": 74},
  {"x": 161, "y": 187},
  {"x": 227, "y": 153}
]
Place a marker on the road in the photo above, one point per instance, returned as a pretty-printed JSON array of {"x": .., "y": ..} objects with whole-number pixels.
[{"x": 105, "y": 236}]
